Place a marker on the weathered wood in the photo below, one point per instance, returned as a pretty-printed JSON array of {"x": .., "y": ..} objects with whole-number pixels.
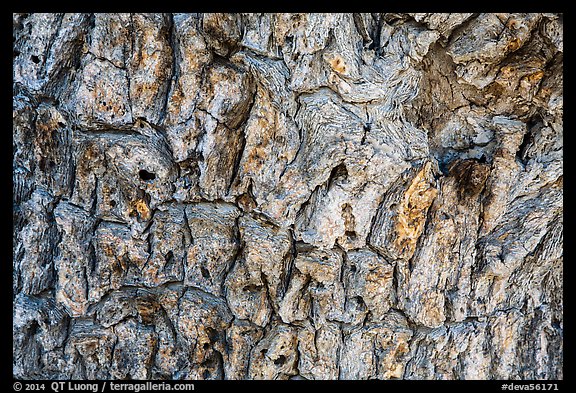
[{"x": 288, "y": 196}]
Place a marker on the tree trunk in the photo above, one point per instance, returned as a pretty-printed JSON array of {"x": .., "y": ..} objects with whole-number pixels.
[{"x": 276, "y": 196}]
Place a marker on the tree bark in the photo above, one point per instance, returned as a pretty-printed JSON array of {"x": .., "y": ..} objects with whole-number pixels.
[{"x": 288, "y": 196}]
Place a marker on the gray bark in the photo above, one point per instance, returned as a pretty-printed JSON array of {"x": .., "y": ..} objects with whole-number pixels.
[{"x": 276, "y": 196}]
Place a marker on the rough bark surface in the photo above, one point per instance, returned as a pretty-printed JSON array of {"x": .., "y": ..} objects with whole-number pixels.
[{"x": 277, "y": 196}]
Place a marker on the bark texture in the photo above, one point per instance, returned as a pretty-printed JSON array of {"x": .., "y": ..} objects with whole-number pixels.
[{"x": 276, "y": 196}]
